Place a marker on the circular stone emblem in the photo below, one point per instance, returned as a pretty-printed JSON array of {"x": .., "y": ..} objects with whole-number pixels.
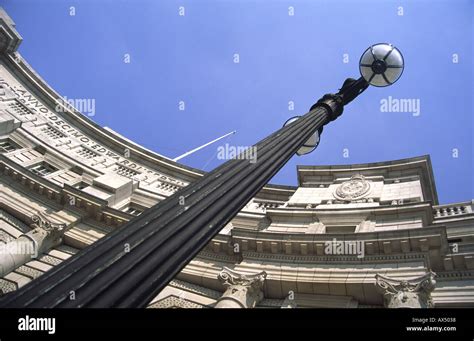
[{"x": 353, "y": 189}]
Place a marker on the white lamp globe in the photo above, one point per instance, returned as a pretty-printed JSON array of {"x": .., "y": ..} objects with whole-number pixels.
[{"x": 381, "y": 65}]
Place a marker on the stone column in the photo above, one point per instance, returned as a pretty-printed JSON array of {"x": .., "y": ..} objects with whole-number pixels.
[
  {"x": 411, "y": 293},
  {"x": 28, "y": 246},
  {"x": 243, "y": 291}
]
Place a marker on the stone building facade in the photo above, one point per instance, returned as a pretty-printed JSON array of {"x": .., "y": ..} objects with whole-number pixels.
[{"x": 362, "y": 235}]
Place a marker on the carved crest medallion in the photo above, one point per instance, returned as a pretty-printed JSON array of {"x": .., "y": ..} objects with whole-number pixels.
[{"x": 356, "y": 188}]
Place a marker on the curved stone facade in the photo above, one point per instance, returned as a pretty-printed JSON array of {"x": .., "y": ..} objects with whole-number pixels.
[{"x": 365, "y": 235}]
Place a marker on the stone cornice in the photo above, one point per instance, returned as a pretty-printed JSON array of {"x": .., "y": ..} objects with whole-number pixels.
[
  {"x": 295, "y": 273},
  {"x": 455, "y": 275},
  {"x": 221, "y": 257},
  {"x": 383, "y": 244},
  {"x": 429, "y": 243},
  {"x": 10, "y": 39},
  {"x": 17, "y": 223},
  {"x": 300, "y": 272},
  {"x": 289, "y": 264},
  {"x": 337, "y": 259},
  {"x": 438, "y": 231},
  {"x": 314, "y": 212}
]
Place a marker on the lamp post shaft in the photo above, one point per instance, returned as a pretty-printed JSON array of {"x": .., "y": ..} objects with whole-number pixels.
[{"x": 131, "y": 265}]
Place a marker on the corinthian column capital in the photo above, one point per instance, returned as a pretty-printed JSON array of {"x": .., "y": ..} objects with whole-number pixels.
[
  {"x": 410, "y": 293},
  {"x": 41, "y": 224},
  {"x": 243, "y": 291},
  {"x": 230, "y": 277},
  {"x": 41, "y": 221}
]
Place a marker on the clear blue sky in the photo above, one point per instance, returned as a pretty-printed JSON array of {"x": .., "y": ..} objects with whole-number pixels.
[{"x": 282, "y": 58}]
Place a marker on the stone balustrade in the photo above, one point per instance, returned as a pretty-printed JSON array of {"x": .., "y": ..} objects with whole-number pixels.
[{"x": 443, "y": 211}]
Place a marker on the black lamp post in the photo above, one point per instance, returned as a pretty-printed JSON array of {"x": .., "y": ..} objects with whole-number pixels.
[{"x": 131, "y": 265}]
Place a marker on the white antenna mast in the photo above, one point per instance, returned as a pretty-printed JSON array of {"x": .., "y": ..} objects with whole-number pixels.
[{"x": 204, "y": 145}]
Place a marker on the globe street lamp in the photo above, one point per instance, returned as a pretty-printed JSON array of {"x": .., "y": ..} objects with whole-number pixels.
[
  {"x": 131, "y": 265},
  {"x": 381, "y": 65}
]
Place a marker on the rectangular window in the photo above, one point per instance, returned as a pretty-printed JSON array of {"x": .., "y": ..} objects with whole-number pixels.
[
  {"x": 7, "y": 146},
  {"x": 134, "y": 210},
  {"x": 86, "y": 153},
  {"x": 52, "y": 132},
  {"x": 43, "y": 169},
  {"x": 19, "y": 108},
  {"x": 341, "y": 229},
  {"x": 127, "y": 172}
]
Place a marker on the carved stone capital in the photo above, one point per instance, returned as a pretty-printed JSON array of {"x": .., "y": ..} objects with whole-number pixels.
[
  {"x": 45, "y": 228},
  {"x": 410, "y": 293},
  {"x": 230, "y": 277},
  {"x": 41, "y": 221},
  {"x": 243, "y": 291}
]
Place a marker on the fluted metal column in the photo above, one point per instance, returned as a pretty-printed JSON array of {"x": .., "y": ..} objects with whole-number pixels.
[{"x": 131, "y": 265}]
